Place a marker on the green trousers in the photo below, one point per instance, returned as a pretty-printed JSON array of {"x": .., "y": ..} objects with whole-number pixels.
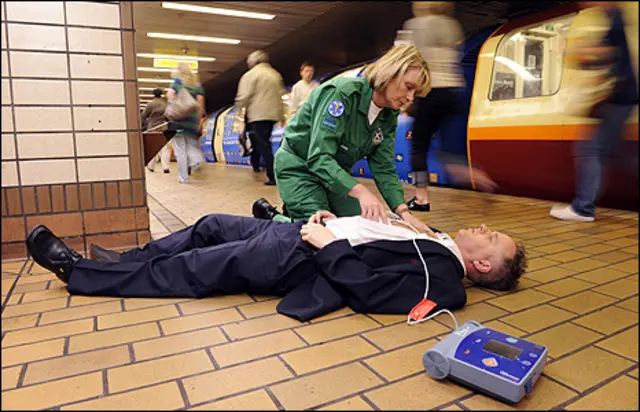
[{"x": 304, "y": 194}]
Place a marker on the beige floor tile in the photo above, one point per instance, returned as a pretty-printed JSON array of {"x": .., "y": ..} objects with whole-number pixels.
[
  {"x": 229, "y": 381},
  {"x": 618, "y": 395},
  {"x": 259, "y": 326},
  {"x": 20, "y": 337},
  {"x": 541, "y": 263},
  {"x": 625, "y": 344},
  {"x": 253, "y": 401},
  {"x": 613, "y": 257},
  {"x": 602, "y": 275},
  {"x": 45, "y": 294},
  {"x": 630, "y": 249},
  {"x": 335, "y": 329},
  {"x": 418, "y": 393},
  {"x": 31, "y": 287},
  {"x": 402, "y": 362},
  {"x": 112, "y": 337},
  {"x": 634, "y": 373},
  {"x": 554, "y": 248},
  {"x": 323, "y": 356},
  {"x": 608, "y": 320},
  {"x": 79, "y": 300},
  {"x": 388, "y": 319},
  {"x": 584, "y": 302},
  {"x": 451, "y": 408},
  {"x": 622, "y": 242},
  {"x": 564, "y": 287},
  {"x": 75, "y": 364},
  {"x": 115, "y": 320},
  {"x": 480, "y": 312},
  {"x": 564, "y": 338},
  {"x": 628, "y": 266},
  {"x": 539, "y": 317},
  {"x": 33, "y": 352},
  {"x": 51, "y": 394},
  {"x": 583, "y": 265},
  {"x": 143, "y": 303},
  {"x": 254, "y": 348},
  {"x": 182, "y": 342},
  {"x": 521, "y": 300},
  {"x": 545, "y": 395},
  {"x": 621, "y": 289},
  {"x": 214, "y": 303},
  {"x": 586, "y": 368},
  {"x": 254, "y": 310},
  {"x": 629, "y": 304},
  {"x": 10, "y": 377},
  {"x": 325, "y": 386},
  {"x": 14, "y": 299},
  {"x": 352, "y": 404},
  {"x": 19, "y": 322},
  {"x": 199, "y": 321},
  {"x": 35, "y": 278},
  {"x": 598, "y": 248},
  {"x": 567, "y": 256},
  {"x": 35, "y": 307},
  {"x": 12, "y": 267},
  {"x": 549, "y": 274},
  {"x": 55, "y": 316},
  {"x": 333, "y": 315},
  {"x": 160, "y": 397},
  {"x": 475, "y": 295},
  {"x": 394, "y": 336},
  {"x": 158, "y": 370}
]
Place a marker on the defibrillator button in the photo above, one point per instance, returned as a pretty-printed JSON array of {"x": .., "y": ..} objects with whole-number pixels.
[{"x": 491, "y": 362}]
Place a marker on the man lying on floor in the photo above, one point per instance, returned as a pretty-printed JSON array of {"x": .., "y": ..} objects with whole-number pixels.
[{"x": 317, "y": 267}]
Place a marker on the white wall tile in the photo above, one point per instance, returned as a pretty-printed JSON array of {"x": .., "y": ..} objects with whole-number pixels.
[
  {"x": 41, "y": 92},
  {"x": 9, "y": 174},
  {"x": 43, "y": 172},
  {"x": 4, "y": 36},
  {"x": 99, "y": 118},
  {"x": 28, "y": 64},
  {"x": 94, "y": 40},
  {"x": 32, "y": 37},
  {"x": 6, "y": 91},
  {"x": 44, "y": 145},
  {"x": 2, "y": 12},
  {"x": 8, "y": 147},
  {"x": 96, "y": 92},
  {"x": 100, "y": 144},
  {"x": 43, "y": 119},
  {"x": 7, "y": 119},
  {"x": 35, "y": 11},
  {"x": 96, "y": 169},
  {"x": 96, "y": 67},
  {"x": 83, "y": 13},
  {"x": 5, "y": 64}
]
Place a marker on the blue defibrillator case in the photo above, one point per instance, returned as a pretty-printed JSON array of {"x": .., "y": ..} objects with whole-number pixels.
[{"x": 489, "y": 361}]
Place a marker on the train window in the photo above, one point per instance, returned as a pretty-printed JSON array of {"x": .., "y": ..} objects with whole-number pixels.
[{"x": 528, "y": 62}]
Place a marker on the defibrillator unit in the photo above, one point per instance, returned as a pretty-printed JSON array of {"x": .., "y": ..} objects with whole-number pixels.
[{"x": 489, "y": 361}]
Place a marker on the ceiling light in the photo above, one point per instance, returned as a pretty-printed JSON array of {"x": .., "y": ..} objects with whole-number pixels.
[
  {"x": 175, "y": 57},
  {"x": 156, "y": 69},
  {"x": 147, "y": 88},
  {"x": 156, "y": 80},
  {"x": 216, "y": 10},
  {"x": 193, "y": 38}
]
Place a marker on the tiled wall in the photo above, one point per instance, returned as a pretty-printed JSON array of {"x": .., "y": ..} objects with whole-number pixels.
[{"x": 71, "y": 144}]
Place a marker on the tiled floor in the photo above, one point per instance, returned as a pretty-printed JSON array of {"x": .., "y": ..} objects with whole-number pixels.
[{"x": 580, "y": 298}]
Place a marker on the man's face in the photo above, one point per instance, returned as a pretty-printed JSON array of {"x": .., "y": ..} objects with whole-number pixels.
[
  {"x": 485, "y": 249},
  {"x": 307, "y": 73}
]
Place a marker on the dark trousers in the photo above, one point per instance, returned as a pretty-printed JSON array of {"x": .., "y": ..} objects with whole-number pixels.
[
  {"x": 219, "y": 254},
  {"x": 260, "y": 135},
  {"x": 432, "y": 112}
]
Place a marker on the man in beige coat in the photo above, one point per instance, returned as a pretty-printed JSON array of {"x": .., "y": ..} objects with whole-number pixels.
[{"x": 260, "y": 91}]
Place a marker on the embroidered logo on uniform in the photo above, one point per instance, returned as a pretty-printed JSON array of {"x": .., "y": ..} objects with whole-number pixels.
[
  {"x": 336, "y": 108},
  {"x": 379, "y": 137},
  {"x": 330, "y": 123}
]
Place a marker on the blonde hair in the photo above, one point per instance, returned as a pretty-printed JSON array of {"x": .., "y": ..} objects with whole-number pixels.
[
  {"x": 186, "y": 75},
  {"x": 394, "y": 64},
  {"x": 256, "y": 57},
  {"x": 423, "y": 8}
]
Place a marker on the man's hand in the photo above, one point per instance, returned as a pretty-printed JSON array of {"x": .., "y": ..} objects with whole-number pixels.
[
  {"x": 322, "y": 216},
  {"x": 316, "y": 235},
  {"x": 371, "y": 206}
]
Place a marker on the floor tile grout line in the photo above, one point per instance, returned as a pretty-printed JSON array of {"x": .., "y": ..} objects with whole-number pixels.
[
  {"x": 362, "y": 361},
  {"x": 274, "y": 398},
  {"x": 13, "y": 287},
  {"x": 212, "y": 358},
  {"x": 286, "y": 364},
  {"x": 183, "y": 393}
]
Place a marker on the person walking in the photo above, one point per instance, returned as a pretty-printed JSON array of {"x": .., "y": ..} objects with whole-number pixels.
[{"x": 152, "y": 116}]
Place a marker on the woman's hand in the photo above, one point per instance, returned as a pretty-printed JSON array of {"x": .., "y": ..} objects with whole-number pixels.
[
  {"x": 316, "y": 235},
  {"x": 371, "y": 206},
  {"x": 415, "y": 222},
  {"x": 322, "y": 216}
]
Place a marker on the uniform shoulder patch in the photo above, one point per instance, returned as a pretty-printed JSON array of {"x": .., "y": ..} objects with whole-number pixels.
[{"x": 336, "y": 108}]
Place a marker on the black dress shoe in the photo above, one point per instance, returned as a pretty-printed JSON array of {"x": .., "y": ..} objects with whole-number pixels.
[
  {"x": 416, "y": 207},
  {"x": 51, "y": 253},
  {"x": 270, "y": 183},
  {"x": 103, "y": 255},
  {"x": 262, "y": 209}
]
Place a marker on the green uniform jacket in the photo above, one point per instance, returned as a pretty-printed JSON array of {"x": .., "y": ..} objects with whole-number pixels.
[{"x": 331, "y": 132}]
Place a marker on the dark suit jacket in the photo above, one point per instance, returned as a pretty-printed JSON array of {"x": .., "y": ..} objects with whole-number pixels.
[{"x": 384, "y": 277}]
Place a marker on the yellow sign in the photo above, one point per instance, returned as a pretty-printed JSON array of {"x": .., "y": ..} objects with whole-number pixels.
[{"x": 174, "y": 63}]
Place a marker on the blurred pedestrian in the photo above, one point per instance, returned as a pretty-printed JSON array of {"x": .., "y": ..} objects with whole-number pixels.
[
  {"x": 302, "y": 89},
  {"x": 592, "y": 155},
  {"x": 260, "y": 91},
  {"x": 152, "y": 116}
]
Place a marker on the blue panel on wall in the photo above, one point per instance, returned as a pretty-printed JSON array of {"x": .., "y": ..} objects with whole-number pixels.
[{"x": 230, "y": 141}]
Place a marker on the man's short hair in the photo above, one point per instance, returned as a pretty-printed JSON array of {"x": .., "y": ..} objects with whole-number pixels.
[
  {"x": 257, "y": 57},
  {"x": 508, "y": 274},
  {"x": 157, "y": 92},
  {"x": 305, "y": 64}
]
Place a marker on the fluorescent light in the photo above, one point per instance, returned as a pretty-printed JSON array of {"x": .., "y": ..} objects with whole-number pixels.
[
  {"x": 216, "y": 10},
  {"x": 193, "y": 38},
  {"x": 176, "y": 57},
  {"x": 146, "y": 95},
  {"x": 162, "y": 70},
  {"x": 148, "y": 88},
  {"x": 155, "y": 80},
  {"x": 518, "y": 69}
]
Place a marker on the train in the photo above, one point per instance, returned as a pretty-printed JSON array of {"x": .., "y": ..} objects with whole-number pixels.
[{"x": 514, "y": 127}]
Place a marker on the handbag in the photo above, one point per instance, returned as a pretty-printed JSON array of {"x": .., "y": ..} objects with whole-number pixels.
[
  {"x": 244, "y": 142},
  {"x": 181, "y": 106}
]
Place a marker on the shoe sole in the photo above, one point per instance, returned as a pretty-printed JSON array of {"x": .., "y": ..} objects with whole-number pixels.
[{"x": 31, "y": 238}]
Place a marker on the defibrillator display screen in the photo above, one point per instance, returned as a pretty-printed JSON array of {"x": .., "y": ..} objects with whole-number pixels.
[{"x": 502, "y": 349}]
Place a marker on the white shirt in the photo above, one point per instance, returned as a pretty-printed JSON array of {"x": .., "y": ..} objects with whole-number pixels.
[
  {"x": 358, "y": 230},
  {"x": 374, "y": 111},
  {"x": 300, "y": 92}
]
